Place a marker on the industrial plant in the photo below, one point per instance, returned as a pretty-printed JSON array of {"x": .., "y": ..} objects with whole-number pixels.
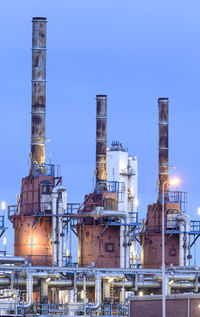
[{"x": 126, "y": 267}]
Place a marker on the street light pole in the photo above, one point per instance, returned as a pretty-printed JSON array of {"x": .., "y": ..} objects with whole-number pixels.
[
  {"x": 172, "y": 182},
  {"x": 163, "y": 250}
]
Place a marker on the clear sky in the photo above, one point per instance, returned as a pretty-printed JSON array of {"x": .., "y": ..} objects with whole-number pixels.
[{"x": 133, "y": 50}]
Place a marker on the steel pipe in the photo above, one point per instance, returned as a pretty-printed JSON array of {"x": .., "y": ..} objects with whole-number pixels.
[
  {"x": 57, "y": 209},
  {"x": 12, "y": 260}
]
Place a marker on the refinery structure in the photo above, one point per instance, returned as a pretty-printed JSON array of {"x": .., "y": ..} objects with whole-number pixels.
[{"x": 125, "y": 267}]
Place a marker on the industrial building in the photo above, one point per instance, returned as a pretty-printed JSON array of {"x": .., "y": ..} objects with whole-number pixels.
[{"x": 112, "y": 277}]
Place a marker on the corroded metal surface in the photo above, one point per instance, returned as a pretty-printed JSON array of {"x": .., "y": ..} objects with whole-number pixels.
[
  {"x": 99, "y": 248},
  {"x": 98, "y": 242},
  {"x": 38, "y": 91},
  {"x": 33, "y": 233},
  {"x": 35, "y": 242},
  {"x": 151, "y": 239},
  {"x": 163, "y": 141},
  {"x": 101, "y": 136}
]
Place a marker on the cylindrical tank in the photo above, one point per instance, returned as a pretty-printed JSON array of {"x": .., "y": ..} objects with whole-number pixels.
[
  {"x": 151, "y": 239},
  {"x": 35, "y": 245},
  {"x": 33, "y": 229}
]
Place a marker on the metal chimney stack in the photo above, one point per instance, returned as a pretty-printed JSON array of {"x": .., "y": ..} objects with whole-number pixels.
[
  {"x": 163, "y": 142},
  {"x": 101, "y": 137},
  {"x": 38, "y": 91}
]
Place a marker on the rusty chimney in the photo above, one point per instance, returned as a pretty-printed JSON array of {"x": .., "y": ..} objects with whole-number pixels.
[
  {"x": 38, "y": 91},
  {"x": 163, "y": 142},
  {"x": 101, "y": 137}
]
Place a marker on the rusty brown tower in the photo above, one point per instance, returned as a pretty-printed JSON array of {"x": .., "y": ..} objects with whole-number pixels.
[
  {"x": 33, "y": 226},
  {"x": 98, "y": 243},
  {"x": 150, "y": 238}
]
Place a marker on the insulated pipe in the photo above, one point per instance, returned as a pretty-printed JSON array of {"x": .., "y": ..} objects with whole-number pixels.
[
  {"x": 54, "y": 225},
  {"x": 29, "y": 282},
  {"x": 101, "y": 137},
  {"x": 29, "y": 291},
  {"x": 163, "y": 143},
  {"x": 57, "y": 208},
  {"x": 98, "y": 301},
  {"x": 12, "y": 259},
  {"x": 29, "y": 287},
  {"x": 177, "y": 277},
  {"x": 69, "y": 283},
  {"x": 38, "y": 91},
  {"x": 184, "y": 239},
  {"x": 97, "y": 213},
  {"x": 127, "y": 253},
  {"x": 60, "y": 240},
  {"x": 97, "y": 292},
  {"x": 181, "y": 245}
]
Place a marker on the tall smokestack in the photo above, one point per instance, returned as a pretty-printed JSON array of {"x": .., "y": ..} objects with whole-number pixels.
[
  {"x": 163, "y": 142},
  {"x": 38, "y": 91},
  {"x": 101, "y": 137}
]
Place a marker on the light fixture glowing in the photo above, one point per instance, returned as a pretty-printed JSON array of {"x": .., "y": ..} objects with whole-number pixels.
[
  {"x": 67, "y": 253},
  {"x": 141, "y": 293},
  {"x": 3, "y": 205},
  {"x": 4, "y": 241},
  {"x": 136, "y": 202},
  {"x": 82, "y": 295},
  {"x": 48, "y": 279},
  {"x": 110, "y": 280},
  {"x": 171, "y": 282},
  {"x": 174, "y": 181}
]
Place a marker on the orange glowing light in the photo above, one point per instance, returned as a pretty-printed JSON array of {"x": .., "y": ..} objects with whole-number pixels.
[{"x": 174, "y": 181}]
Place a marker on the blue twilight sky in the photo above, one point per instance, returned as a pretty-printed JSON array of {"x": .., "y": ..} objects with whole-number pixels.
[{"x": 133, "y": 50}]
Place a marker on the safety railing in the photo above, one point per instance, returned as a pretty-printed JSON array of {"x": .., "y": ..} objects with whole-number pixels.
[
  {"x": 172, "y": 227},
  {"x": 39, "y": 260},
  {"x": 2, "y": 222},
  {"x": 175, "y": 197},
  {"x": 58, "y": 310},
  {"x": 46, "y": 169},
  {"x": 32, "y": 209},
  {"x": 112, "y": 187},
  {"x": 39, "y": 209},
  {"x": 72, "y": 208},
  {"x": 195, "y": 226},
  {"x": 112, "y": 221}
]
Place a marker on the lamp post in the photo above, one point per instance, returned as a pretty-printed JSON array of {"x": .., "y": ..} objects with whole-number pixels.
[
  {"x": 4, "y": 243},
  {"x": 173, "y": 182}
]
